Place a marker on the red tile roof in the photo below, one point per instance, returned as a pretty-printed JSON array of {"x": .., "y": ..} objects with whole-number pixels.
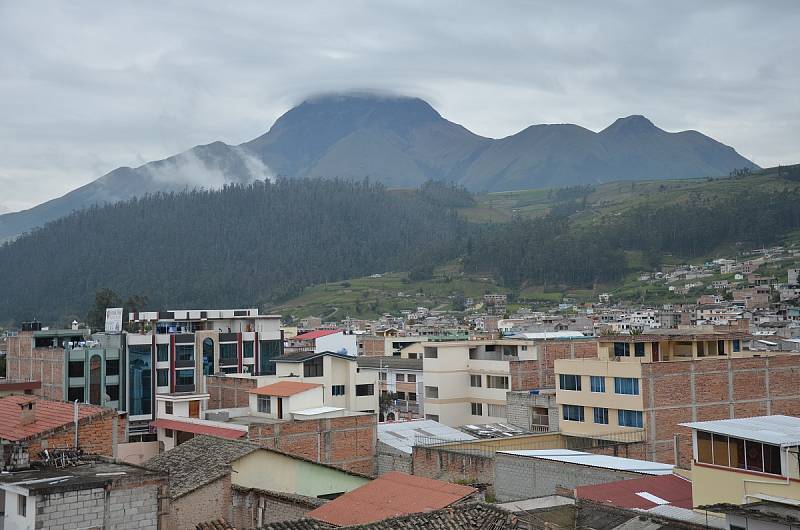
[
  {"x": 196, "y": 428},
  {"x": 316, "y": 334},
  {"x": 48, "y": 414},
  {"x": 390, "y": 495},
  {"x": 283, "y": 388},
  {"x": 675, "y": 490}
]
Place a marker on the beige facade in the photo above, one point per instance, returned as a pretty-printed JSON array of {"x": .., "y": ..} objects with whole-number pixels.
[{"x": 466, "y": 381}]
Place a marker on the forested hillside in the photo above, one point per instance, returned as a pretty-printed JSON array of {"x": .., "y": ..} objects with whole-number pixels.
[{"x": 260, "y": 244}]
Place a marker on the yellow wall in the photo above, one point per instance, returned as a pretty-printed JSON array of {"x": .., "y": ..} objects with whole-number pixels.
[{"x": 711, "y": 485}]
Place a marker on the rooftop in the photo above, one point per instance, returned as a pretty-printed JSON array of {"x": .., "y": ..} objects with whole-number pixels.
[
  {"x": 390, "y": 495},
  {"x": 642, "y": 493},
  {"x": 85, "y": 476},
  {"x": 402, "y": 435},
  {"x": 316, "y": 411},
  {"x": 655, "y": 335},
  {"x": 777, "y": 430},
  {"x": 593, "y": 460},
  {"x": 393, "y": 363},
  {"x": 311, "y": 335},
  {"x": 48, "y": 415},
  {"x": 301, "y": 356},
  {"x": 199, "y": 428},
  {"x": 550, "y": 335},
  {"x": 284, "y": 388}
]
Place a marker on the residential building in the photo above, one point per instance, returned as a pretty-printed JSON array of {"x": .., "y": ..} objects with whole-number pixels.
[
  {"x": 495, "y": 304},
  {"x": 320, "y": 340},
  {"x": 793, "y": 277},
  {"x": 94, "y": 371},
  {"x": 371, "y": 345},
  {"x": 742, "y": 460},
  {"x": 398, "y": 378},
  {"x": 752, "y": 297},
  {"x": 397, "y": 439},
  {"x": 408, "y": 347}
]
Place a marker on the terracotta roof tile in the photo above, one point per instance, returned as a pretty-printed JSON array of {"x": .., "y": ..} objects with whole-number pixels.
[
  {"x": 390, "y": 495},
  {"x": 48, "y": 414},
  {"x": 283, "y": 388}
]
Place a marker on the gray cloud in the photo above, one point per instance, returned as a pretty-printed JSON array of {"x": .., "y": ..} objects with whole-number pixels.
[{"x": 87, "y": 87}]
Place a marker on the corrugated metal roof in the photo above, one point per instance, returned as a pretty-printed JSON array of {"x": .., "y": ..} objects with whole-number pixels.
[
  {"x": 402, "y": 434},
  {"x": 777, "y": 430},
  {"x": 643, "y": 493},
  {"x": 589, "y": 459}
]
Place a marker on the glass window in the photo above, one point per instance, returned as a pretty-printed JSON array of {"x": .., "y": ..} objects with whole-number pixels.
[
  {"x": 313, "y": 368},
  {"x": 184, "y": 352},
  {"x": 265, "y": 404},
  {"x": 112, "y": 391},
  {"x": 365, "y": 390},
  {"x": 208, "y": 356},
  {"x": 569, "y": 382},
  {"x": 431, "y": 353},
  {"x": 75, "y": 368},
  {"x": 75, "y": 393},
  {"x": 432, "y": 392},
  {"x": 630, "y": 418},
  {"x": 337, "y": 390},
  {"x": 721, "y": 347},
  {"x": 737, "y": 345},
  {"x": 736, "y": 452},
  {"x": 400, "y": 378},
  {"x": 475, "y": 381},
  {"x": 772, "y": 459},
  {"x": 496, "y": 411},
  {"x": 268, "y": 350},
  {"x": 401, "y": 396},
  {"x": 705, "y": 452},
  {"x": 601, "y": 415},
  {"x": 382, "y": 376},
  {"x": 701, "y": 351},
  {"x": 168, "y": 433},
  {"x": 168, "y": 407},
  {"x": 497, "y": 381},
  {"x": 227, "y": 354},
  {"x": 476, "y": 409},
  {"x": 95, "y": 380},
  {"x": 572, "y": 412},
  {"x": 22, "y": 505},
  {"x": 162, "y": 377},
  {"x": 248, "y": 349},
  {"x": 720, "y": 444},
  {"x": 434, "y": 417},
  {"x": 755, "y": 459},
  {"x": 622, "y": 349},
  {"x": 626, "y": 385},
  {"x": 411, "y": 378},
  {"x": 162, "y": 352},
  {"x": 638, "y": 349},
  {"x": 112, "y": 366},
  {"x": 598, "y": 383},
  {"x": 184, "y": 377},
  {"x": 140, "y": 379},
  {"x": 412, "y": 396}
]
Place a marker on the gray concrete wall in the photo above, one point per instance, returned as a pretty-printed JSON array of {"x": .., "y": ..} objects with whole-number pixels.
[
  {"x": 519, "y": 405},
  {"x": 391, "y": 459},
  {"x": 520, "y": 477}
]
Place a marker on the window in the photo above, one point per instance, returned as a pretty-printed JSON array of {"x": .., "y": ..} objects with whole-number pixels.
[
  {"x": 638, "y": 349},
  {"x": 598, "y": 383},
  {"x": 267, "y": 351},
  {"x": 497, "y": 381},
  {"x": 432, "y": 392},
  {"x": 168, "y": 407},
  {"x": 569, "y": 382},
  {"x": 721, "y": 347},
  {"x": 705, "y": 452},
  {"x": 772, "y": 459},
  {"x": 365, "y": 390},
  {"x": 162, "y": 377},
  {"x": 411, "y": 378},
  {"x": 313, "y": 368},
  {"x": 265, "y": 404},
  {"x": 626, "y": 385},
  {"x": 475, "y": 381},
  {"x": 400, "y": 378},
  {"x": 630, "y": 418},
  {"x": 601, "y": 415},
  {"x": 112, "y": 391},
  {"x": 184, "y": 352},
  {"x": 434, "y": 417},
  {"x": 248, "y": 349},
  {"x": 162, "y": 352},
  {"x": 431, "y": 353},
  {"x": 737, "y": 453},
  {"x": 701, "y": 351},
  {"x": 381, "y": 376},
  {"x": 737, "y": 345},
  {"x": 112, "y": 367},
  {"x": 496, "y": 411},
  {"x": 22, "y": 505},
  {"x": 184, "y": 377},
  {"x": 476, "y": 409},
  {"x": 227, "y": 354},
  {"x": 140, "y": 379},
  {"x": 720, "y": 448},
  {"x": 622, "y": 349},
  {"x": 337, "y": 390},
  {"x": 412, "y": 396},
  {"x": 169, "y": 433},
  {"x": 572, "y": 412},
  {"x": 401, "y": 396},
  {"x": 75, "y": 368},
  {"x": 75, "y": 393}
]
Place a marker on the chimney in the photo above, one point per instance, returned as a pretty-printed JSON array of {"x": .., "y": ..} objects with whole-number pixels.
[{"x": 27, "y": 413}]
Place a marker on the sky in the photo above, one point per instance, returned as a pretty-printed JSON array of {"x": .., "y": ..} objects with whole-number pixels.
[{"x": 89, "y": 86}]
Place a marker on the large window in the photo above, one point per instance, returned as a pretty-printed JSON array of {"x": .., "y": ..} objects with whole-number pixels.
[
  {"x": 475, "y": 381},
  {"x": 184, "y": 352},
  {"x": 313, "y": 368},
  {"x": 601, "y": 415},
  {"x": 622, "y": 349},
  {"x": 208, "y": 356},
  {"x": 638, "y": 349},
  {"x": 598, "y": 383},
  {"x": 432, "y": 392},
  {"x": 140, "y": 379},
  {"x": 626, "y": 385},
  {"x": 227, "y": 354},
  {"x": 248, "y": 349},
  {"x": 727, "y": 451},
  {"x": 476, "y": 409},
  {"x": 497, "y": 381},
  {"x": 630, "y": 418},
  {"x": 162, "y": 352},
  {"x": 572, "y": 412},
  {"x": 268, "y": 350},
  {"x": 265, "y": 404},
  {"x": 365, "y": 390},
  {"x": 184, "y": 378},
  {"x": 569, "y": 382}
]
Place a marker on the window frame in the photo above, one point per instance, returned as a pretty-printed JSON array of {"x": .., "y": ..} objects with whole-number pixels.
[
  {"x": 573, "y": 408},
  {"x": 603, "y": 415},
  {"x": 476, "y": 407},
  {"x": 595, "y": 379},
  {"x": 621, "y": 390},
  {"x": 563, "y": 380}
]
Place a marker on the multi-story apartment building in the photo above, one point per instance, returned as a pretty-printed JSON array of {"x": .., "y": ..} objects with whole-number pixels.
[
  {"x": 466, "y": 381},
  {"x": 495, "y": 304},
  {"x": 402, "y": 379},
  {"x": 649, "y": 384}
]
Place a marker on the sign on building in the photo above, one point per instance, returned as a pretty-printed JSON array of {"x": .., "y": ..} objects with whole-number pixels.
[{"x": 113, "y": 320}]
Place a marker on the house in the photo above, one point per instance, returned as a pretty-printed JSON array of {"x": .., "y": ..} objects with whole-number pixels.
[
  {"x": 399, "y": 378},
  {"x": 391, "y": 495},
  {"x": 211, "y": 477},
  {"x": 742, "y": 460},
  {"x": 396, "y": 441},
  {"x": 93, "y": 494}
]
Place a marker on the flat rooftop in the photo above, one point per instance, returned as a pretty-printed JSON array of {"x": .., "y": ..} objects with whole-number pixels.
[
  {"x": 776, "y": 430},
  {"x": 84, "y": 476}
]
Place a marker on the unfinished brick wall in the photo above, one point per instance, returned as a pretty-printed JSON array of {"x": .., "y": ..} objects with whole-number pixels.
[
  {"x": 228, "y": 392},
  {"x": 26, "y": 363},
  {"x": 253, "y": 508},
  {"x": 713, "y": 389},
  {"x": 210, "y": 501},
  {"x": 97, "y": 435},
  {"x": 452, "y": 466},
  {"x": 347, "y": 442},
  {"x": 530, "y": 375}
]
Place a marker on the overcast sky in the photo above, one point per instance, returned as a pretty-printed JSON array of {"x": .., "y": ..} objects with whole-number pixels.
[{"x": 88, "y": 86}]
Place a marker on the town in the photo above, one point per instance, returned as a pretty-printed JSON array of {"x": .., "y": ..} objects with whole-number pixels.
[{"x": 601, "y": 413}]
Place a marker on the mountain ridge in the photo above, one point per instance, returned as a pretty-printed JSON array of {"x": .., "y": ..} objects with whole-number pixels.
[{"x": 402, "y": 142}]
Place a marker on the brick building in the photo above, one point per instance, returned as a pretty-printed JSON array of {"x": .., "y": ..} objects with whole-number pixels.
[{"x": 539, "y": 373}]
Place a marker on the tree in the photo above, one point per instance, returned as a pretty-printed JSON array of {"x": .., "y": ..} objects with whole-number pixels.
[{"x": 103, "y": 299}]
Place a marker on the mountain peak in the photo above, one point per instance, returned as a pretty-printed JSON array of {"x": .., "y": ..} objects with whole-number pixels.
[{"x": 634, "y": 124}]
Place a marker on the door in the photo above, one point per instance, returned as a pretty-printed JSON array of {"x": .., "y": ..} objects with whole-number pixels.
[
  {"x": 280, "y": 408},
  {"x": 194, "y": 409},
  {"x": 656, "y": 356}
]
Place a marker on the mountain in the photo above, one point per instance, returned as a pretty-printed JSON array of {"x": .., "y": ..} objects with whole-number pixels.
[{"x": 403, "y": 142}]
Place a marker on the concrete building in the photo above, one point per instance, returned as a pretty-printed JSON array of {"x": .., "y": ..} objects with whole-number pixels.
[
  {"x": 743, "y": 460},
  {"x": 100, "y": 494},
  {"x": 401, "y": 379},
  {"x": 396, "y": 441},
  {"x": 320, "y": 340}
]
